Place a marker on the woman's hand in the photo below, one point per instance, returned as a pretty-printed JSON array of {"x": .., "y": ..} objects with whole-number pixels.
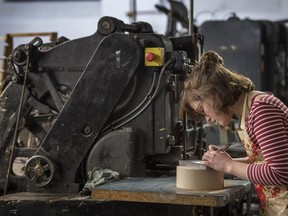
[{"x": 217, "y": 160}]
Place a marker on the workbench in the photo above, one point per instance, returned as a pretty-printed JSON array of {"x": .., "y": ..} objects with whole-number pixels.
[
  {"x": 164, "y": 190},
  {"x": 129, "y": 197}
]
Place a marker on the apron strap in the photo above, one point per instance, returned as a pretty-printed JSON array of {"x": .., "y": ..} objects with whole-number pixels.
[{"x": 242, "y": 121}]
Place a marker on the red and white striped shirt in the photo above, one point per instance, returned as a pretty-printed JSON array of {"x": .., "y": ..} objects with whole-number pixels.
[{"x": 267, "y": 127}]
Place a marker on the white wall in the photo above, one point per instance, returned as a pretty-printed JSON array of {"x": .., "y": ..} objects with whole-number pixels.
[
  {"x": 79, "y": 18},
  {"x": 71, "y": 19}
]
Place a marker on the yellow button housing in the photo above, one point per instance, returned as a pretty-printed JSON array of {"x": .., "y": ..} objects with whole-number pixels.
[{"x": 154, "y": 56}]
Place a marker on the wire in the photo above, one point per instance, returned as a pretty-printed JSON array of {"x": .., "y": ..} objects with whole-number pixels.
[
  {"x": 150, "y": 99},
  {"x": 136, "y": 108}
]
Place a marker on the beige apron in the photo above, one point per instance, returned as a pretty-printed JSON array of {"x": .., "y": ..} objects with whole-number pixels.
[{"x": 273, "y": 199}]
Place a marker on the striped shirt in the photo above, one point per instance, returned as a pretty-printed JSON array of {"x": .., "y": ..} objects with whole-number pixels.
[{"x": 267, "y": 127}]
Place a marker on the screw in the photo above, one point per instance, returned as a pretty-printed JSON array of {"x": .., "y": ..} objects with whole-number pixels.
[
  {"x": 106, "y": 25},
  {"x": 86, "y": 129}
]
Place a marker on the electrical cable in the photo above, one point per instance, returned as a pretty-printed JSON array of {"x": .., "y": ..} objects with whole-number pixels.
[
  {"x": 150, "y": 99},
  {"x": 136, "y": 108}
]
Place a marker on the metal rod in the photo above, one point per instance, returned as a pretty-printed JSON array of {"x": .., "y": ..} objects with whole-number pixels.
[
  {"x": 191, "y": 15},
  {"x": 133, "y": 10},
  {"x": 17, "y": 123}
]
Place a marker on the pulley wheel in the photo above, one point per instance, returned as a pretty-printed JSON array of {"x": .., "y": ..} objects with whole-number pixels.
[{"x": 39, "y": 170}]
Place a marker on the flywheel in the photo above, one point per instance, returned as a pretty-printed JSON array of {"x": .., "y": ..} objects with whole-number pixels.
[{"x": 39, "y": 170}]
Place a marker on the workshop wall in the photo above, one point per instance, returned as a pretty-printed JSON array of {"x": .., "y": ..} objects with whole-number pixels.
[{"x": 75, "y": 19}]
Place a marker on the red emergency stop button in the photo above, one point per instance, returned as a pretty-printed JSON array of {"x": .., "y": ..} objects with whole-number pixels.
[
  {"x": 150, "y": 56},
  {"x": 154, "y": 56}
]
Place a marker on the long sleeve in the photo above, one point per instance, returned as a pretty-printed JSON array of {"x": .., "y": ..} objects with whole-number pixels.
[{"x": 267, "y": 127}]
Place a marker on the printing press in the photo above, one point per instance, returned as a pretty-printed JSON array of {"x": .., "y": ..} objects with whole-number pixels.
[{"x": 108, "y": 100}]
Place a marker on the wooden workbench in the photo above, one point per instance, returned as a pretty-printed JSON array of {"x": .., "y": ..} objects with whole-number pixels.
[
  {"x": 128, "y": 197},
  {"x": 164, "y": 190}
]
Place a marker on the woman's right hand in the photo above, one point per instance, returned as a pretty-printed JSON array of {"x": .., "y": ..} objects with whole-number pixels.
[{"x": 217, "y": 160}]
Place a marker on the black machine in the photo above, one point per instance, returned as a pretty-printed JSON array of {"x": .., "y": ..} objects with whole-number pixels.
[
  {"x": 108, "y": 100},
  {"x": 255, "y": 48}
]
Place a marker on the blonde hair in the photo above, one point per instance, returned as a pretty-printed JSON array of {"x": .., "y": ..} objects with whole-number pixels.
[{"x": 210, "y": 79}]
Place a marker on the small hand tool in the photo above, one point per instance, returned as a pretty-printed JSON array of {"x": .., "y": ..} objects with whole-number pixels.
[
  {"x": 194, "y": 163},
  {"x": 224, "y": 147}
]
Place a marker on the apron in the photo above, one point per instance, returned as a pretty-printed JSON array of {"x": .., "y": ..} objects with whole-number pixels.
[{"x": 273, "y": 199}]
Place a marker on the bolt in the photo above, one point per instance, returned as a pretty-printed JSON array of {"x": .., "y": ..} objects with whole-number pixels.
[
  {"x": 8, "y": 151},
  {"x": 27, "y": 46},
  {"x": 86, "y": 130},
  {"x": 106, "y": 25},
  {"x": 170, "y": 140},
  {"x": 14, "y": 79},
  {"x": 171, "y": 86},
  {"x": 40, "y": 69},
  {"x": 38, "y": 171}
]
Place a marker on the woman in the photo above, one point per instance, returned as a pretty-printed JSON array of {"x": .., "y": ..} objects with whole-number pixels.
[{"x": 215, "y": 93}]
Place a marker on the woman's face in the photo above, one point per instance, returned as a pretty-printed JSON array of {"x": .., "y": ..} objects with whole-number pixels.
[{"x": 205, "y": 108}]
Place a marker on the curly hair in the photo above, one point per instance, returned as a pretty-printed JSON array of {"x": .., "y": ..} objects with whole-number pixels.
[{"x": 210, "y": 79}]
